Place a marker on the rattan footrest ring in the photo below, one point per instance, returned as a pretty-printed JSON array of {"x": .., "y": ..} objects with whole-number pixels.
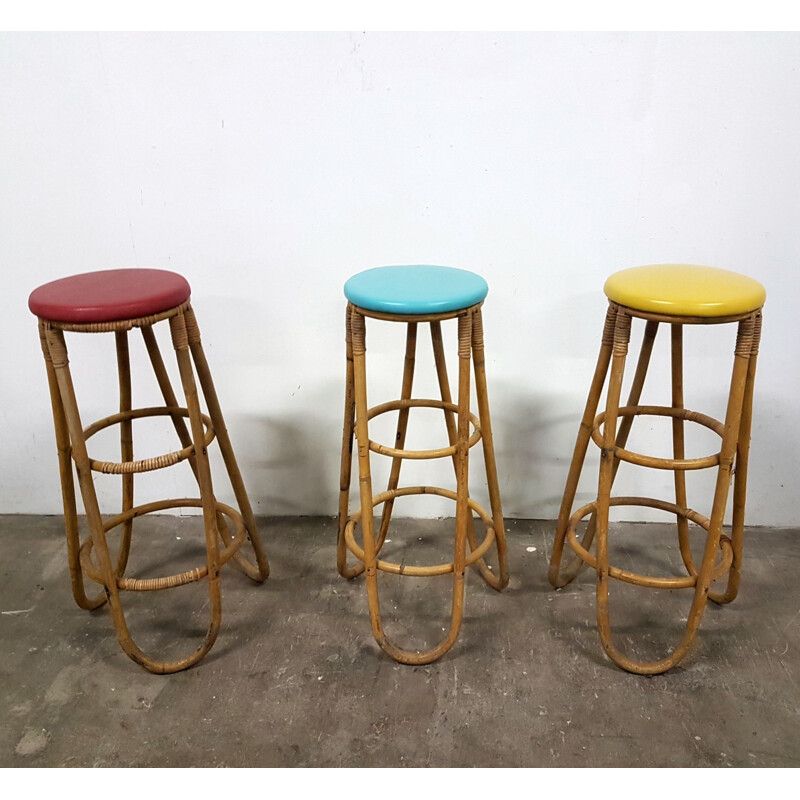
[
  {"x": 146, "y": 464},
  {"x": 726, "y": 550},
  {"x": 411, "y": 570},
  {"x": 168, "y": 581}
]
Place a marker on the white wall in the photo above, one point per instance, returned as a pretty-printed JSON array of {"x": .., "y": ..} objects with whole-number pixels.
[{"x": 267, "y": 168}]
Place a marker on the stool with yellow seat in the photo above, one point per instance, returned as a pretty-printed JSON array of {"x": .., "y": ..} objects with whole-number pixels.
[{"x": 676, "y": 294}]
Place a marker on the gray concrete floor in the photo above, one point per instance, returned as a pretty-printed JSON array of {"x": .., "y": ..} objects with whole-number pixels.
[{"x": 296, "y": 679}]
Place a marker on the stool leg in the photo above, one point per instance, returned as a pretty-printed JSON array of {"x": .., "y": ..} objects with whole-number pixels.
[
  {"x": 67, "y": 483},
  {"x": 126, "y": 444},
  {"x": 178, "y": 421},
  {"x": 358, "y": 334},
  {"x": 452, "y": 435},
  {"x": 622, "y": 329},
  {"x": 345, "y": 473},
  {"x": 740, "y": 478},
  {"x": 558, "y": 577},
  {"x": 479, "y": 364},
  {"x": 678, "y": 446},
  {"x": 260, "y": 570},
  {"x": 577, "y": 565},
  {"x": 402, "y": 427}
]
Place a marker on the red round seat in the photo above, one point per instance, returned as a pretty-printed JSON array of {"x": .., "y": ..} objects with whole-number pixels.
[{"x": 109, "y": 295}]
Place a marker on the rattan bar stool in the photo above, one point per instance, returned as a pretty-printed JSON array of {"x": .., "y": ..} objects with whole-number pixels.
[
  {"x": 116, "y": 301},
  {"x": 677, "y": 295},
  {"x": 412, "y": 295}
]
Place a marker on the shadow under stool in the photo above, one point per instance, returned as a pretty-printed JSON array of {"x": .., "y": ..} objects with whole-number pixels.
[
  {"x": 676, "y": 295},
  {"x": 117, "y": 301},
  {"x": 412, "y": 295}
]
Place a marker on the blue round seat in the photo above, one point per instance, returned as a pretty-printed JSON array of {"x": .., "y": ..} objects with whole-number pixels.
[{"x": 415, "y": 289}]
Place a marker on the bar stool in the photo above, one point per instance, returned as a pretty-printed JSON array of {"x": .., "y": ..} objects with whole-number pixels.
[
  {"x": 678, "y": 295},
  {"x": 116, "y": 301},
  {"x": 412, "y": 295}
]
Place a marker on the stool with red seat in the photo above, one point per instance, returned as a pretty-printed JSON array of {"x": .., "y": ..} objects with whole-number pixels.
[{"x": 117, "y": 301}]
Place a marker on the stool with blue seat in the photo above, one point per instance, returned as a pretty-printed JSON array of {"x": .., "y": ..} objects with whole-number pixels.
[
  {"x": 117, "y": 301},
  {"x": 675, "y": 295},
  {"x": 412, "y": 295}
]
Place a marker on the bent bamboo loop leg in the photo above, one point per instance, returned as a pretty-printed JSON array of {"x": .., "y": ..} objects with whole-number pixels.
[
  {"x": 64, "y": 448},
  {"x": 462, "y": 494}
]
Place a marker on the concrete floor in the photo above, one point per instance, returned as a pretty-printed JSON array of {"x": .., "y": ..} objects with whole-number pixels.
[{"x": 296, "y": 680}]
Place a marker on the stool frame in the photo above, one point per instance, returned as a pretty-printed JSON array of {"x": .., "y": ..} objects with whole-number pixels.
[
  {"x": 732, "y": 459},
  {"x": 91, "y": 558},
  {"x": 457, "y": 418}
]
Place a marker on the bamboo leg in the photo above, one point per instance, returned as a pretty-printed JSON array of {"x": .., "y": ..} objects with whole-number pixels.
[
  {"x": 479, "y": 362},
  {"x": 648, "y": 339},
  {"x": 67, "y": 483},
  {"x": 558, "y": 577},
  {"x": 179, "y": 422},
  {"x": 260, "y": 570},
  {"x": 358, "y": 331},
  {"x": 622, "y": 329},
  {"x": 347, "y": 457},
  {"x": 452, "y": 436},
  {"x": 126, "y": 445},
  {"x": 678, "y": 446},
  {"x": 740, "y": 481},
  {"x": 402, "y": 427},
  {"x": 732, "y": 432}
]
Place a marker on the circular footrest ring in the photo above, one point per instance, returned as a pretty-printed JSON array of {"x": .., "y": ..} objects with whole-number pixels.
[
  {"x": 420, "y": 571},
  {"x": 652, "y": 461},
  {"x": 145, "y": 464},
  {"x": 649, "y": 580},
  {"x": 441, "y": 452},
  {"x": 168, "y": 581}
]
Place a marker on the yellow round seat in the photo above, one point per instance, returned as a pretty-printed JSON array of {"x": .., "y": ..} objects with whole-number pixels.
[{"x": 685, "y": 290}]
